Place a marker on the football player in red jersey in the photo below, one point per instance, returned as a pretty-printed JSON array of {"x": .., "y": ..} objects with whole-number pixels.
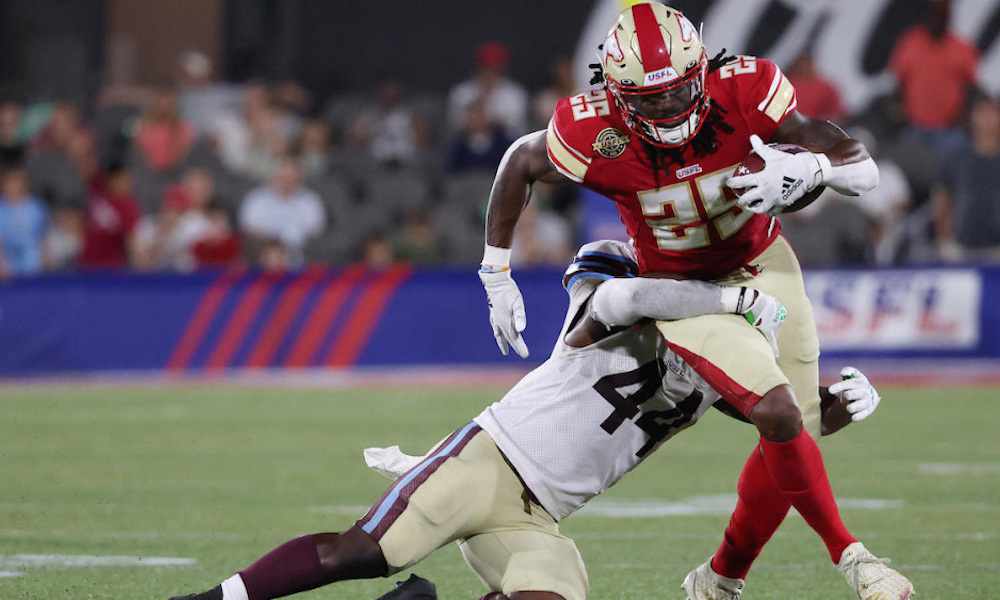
[{"x": 663, "y": 139}]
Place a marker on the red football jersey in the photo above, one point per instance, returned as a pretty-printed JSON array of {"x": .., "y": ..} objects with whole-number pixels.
[{"x": 682, "y": 220}]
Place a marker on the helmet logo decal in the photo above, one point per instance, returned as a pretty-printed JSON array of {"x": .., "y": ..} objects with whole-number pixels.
[
  {"x": 661, "y": 76},
  {"x": 688, "y": 32},
  {"x": 611, "y": 142},
  {"x": 612, "y": 48}
]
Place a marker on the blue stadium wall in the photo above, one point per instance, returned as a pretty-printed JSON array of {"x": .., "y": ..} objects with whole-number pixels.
[{"x": 418, "y": 316}]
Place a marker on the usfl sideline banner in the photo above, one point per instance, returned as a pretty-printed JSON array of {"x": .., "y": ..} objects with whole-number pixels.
[{"x": 406, "y": 316}]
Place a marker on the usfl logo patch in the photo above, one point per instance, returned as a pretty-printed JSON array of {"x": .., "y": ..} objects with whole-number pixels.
[{"x": 611, "y": 142}]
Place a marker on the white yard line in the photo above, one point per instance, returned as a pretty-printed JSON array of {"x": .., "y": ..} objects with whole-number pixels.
[
  {"x": 668, "y": 535},
  {"x": 765, "y": 566},
  {"x": 958, "y": 468},
  {"x": 39, "y": 561},
  {"x": 126, "y": 535},
  {"x": 717, "y": 504}
]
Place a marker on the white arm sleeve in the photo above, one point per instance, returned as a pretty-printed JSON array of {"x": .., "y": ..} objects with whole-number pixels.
[
  {"x": 852, "y": 179},
  {"x": 619, "y": 302}
]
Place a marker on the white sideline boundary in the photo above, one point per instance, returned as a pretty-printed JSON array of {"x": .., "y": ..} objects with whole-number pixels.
[{"x": 905, "y": 373}]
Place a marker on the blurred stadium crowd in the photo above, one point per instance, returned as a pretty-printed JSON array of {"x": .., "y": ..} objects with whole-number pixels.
[{"x": 213, "y": 173}]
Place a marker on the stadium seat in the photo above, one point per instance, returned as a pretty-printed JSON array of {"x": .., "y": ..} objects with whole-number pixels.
[
  {"x": 432, "y": 108},
  {"x": 340, "y": 108},
  {"x": 397, "y": 191},
  {"x": 353, "y": 166},
  {"x": 148, "y": 185},
  {"x": 331, "y": 247},
  {"x": 458, "y": 218},
  {"x": 113, "y": 130},
  {"x": 338, "y": 201},
  {"x": 53, "y": 177},
  {"x": 468, "y": 189},
  {"x": 231, "y": 188}
]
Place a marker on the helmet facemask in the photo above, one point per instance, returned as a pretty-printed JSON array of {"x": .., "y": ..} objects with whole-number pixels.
[{"x": 675, "y": 129}]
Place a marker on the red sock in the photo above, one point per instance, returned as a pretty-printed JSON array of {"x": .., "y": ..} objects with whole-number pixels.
[
  {"x": 797, "y": 468},
  {"x": 759, "y": 511},
  {"x": 288, "y": 569}
]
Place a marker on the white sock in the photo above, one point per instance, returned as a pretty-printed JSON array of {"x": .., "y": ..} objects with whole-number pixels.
[{"x": 233, "y": 589}]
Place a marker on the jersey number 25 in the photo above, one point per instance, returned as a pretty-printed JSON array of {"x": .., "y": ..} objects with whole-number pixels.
[{"x": 697, "y": 212}]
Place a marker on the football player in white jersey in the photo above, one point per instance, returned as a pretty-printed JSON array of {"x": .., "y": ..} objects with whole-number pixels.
[{"x": 611, "y": 393}]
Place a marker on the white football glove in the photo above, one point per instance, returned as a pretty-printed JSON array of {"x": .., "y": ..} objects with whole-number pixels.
[
  {"x": 784, "y": 179},
  {"x": 506, "y": 311},
  {"x": 766, "y": 314},
  {"x": 862, "y": 398}
]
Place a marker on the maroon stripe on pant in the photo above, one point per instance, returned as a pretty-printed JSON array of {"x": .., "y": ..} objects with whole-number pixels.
[
  {"x": 742, "y": 399},
  {"x": 394, "y": 500}
]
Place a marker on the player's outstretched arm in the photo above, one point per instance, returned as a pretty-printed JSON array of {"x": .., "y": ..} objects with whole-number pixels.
[
  {"x": 621, "y": 302},
  {"x": 524, "y": 163}
]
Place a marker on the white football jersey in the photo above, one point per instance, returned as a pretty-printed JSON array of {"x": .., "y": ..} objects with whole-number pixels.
[{"x": 576, "y": 424}]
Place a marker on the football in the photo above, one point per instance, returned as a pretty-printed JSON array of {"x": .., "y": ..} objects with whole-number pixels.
[{"x": 755, "y": 164}]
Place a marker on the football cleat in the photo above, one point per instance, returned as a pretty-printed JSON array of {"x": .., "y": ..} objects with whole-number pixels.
[
  {"x": 414, "y": 588},
  {"x": 705, "y": 584},
  {"x": 869, "y": 576}
]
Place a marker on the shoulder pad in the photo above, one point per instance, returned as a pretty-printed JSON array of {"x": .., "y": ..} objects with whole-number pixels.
[
  {"x": 575, "y": 124},
  {"x": 764, "y": 96}
]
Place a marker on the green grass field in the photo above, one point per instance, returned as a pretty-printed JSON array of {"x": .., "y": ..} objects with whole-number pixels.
[{"x": 223, "y": 475}]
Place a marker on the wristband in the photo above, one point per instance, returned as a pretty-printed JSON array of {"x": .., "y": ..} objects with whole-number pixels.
[
  {"x": 732, "y": 298},
  {"x": 825, "y": 167},
  {"x": 495, "y": 259}
]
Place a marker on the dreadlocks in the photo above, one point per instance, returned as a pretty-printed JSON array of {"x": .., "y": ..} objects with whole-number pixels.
[{"x": 719, "y": 59}]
